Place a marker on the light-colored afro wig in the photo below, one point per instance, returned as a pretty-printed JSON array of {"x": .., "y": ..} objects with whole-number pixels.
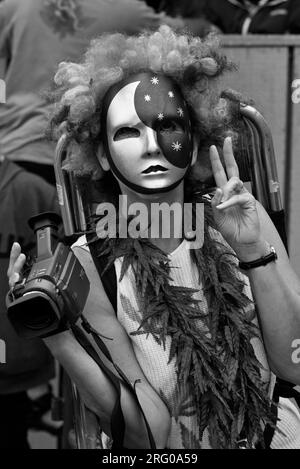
[{"x": 194, "y": 64}]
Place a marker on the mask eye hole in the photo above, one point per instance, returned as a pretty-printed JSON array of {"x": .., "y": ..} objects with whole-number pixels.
[
  {"x": 169, "y": 126},
  {"x": 126, "y": 132}
]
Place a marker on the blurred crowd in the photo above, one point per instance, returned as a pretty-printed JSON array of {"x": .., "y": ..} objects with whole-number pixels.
[
  {"x": 235, "y": 16},
  {"x": 35, "y": 36}
]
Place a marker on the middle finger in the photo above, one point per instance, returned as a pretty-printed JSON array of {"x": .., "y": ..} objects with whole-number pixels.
[{"x": 230, "y": 163}]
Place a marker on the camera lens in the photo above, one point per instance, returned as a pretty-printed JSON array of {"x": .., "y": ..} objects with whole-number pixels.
[
  {"x": 39, "y": 316},
  {"x": 38, "y": 313},
  {"x": 34, "y": 315}
]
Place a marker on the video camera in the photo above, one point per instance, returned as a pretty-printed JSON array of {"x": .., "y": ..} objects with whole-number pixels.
[{"x": 54, "y": 293}]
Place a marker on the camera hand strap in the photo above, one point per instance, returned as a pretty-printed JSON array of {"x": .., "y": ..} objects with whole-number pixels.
[
  {"x": 117, "y": 418},
  {"x": 131, "y": 388}
]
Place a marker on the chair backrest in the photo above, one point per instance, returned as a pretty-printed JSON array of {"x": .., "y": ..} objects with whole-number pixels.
[
  {"x": 69, "y": 196},
  {"x": 261, "y": 161}
]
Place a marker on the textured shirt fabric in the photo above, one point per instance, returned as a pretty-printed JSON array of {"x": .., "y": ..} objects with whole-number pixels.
[
  {"x": 35, "y": 36},
  {"x": 28, "y": 363},
  {"x": 161, "y": 374}
]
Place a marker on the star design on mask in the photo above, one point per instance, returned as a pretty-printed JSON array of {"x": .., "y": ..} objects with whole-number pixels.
[
  {"x": 176, "y": 146},
  {"x": 147, "y": 98},
  {"x": 171, "y": 94},
  {"x": 154, "y": 81},
  {"x": 180, "y": 111},
  {"x": 160, "y": 116}
]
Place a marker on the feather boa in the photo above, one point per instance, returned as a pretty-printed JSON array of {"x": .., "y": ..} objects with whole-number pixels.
[{"x": 219, "y": 365}]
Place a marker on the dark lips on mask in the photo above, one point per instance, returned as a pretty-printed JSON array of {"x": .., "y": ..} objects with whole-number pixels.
[{"x": 154, "y": 169}]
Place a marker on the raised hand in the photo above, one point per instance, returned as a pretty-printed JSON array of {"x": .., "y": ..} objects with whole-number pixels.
[
  {"x": 16, "y": 263},
  {"x": 234, "y": 208}
]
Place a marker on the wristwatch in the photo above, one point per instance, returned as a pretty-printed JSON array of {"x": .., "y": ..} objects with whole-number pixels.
[{"x": 271, "y": 257}]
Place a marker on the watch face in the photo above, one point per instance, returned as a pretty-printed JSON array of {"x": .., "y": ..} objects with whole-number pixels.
[{"x": 147, "y": 133}]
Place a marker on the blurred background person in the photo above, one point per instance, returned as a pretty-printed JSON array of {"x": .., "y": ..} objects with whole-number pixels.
[
  {"x": 254, "y": 16},
  {"x": 191, "y": 12},
  {"x": 35, "y": 35},
  {"x": 25, "y": 395},
  {"x": 294, "y": 17}
]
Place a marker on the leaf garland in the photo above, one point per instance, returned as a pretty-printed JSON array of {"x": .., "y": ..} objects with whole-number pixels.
[{"x": 216, "y": 360}]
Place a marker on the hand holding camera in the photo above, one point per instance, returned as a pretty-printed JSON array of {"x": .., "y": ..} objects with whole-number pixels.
[{"x": 54, "y": 293}]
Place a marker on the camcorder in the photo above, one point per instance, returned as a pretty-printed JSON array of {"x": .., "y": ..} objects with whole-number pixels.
[{"x": 53, "y": 295}]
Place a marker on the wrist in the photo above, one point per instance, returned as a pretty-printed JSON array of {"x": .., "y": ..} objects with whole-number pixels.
[
  {"x": 252, "y": 251},
  {"x": 59, "y": 342},
  {"x": 262, "y": 261}
]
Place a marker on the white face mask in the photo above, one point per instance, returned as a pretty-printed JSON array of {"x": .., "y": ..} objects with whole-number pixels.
[{"x": 147, "y": 158}]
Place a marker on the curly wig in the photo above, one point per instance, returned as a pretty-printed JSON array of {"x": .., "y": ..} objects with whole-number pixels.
[{"x": 194, "y": 64}]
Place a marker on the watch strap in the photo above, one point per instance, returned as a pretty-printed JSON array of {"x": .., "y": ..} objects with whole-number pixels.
[{"x": 262, "y": 261}]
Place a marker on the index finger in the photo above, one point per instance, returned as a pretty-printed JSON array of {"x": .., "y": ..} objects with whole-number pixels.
[
  {"x": 14, "y": 254},
  {"x": 217, "y": 167},
  {"x": 230, "y": 163}
]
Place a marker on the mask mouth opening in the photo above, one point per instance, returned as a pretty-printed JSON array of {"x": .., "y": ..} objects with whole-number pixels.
[{"x": 154, "y": 169}]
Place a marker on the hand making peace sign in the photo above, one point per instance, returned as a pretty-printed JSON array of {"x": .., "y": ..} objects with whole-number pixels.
[{"x": 234, "y": 208}]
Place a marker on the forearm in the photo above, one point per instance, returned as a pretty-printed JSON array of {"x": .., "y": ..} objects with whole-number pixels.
[
  {"x": 276, "y": 289},
  {"x": 247, "y": 228},
  {"x": 99, "y": 393}
]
